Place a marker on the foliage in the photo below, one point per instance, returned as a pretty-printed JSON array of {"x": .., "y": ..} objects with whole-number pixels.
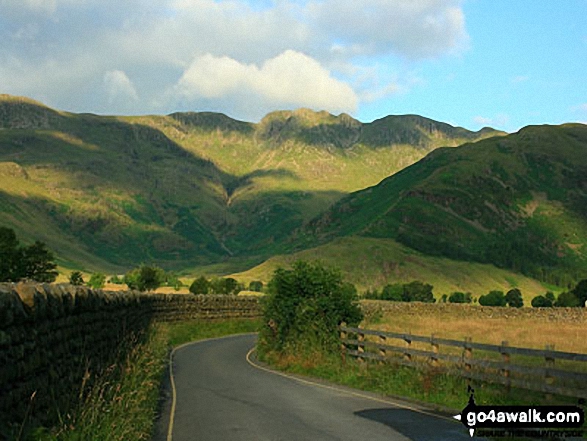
[
  {"x": 172, "y": 279},
  {"x": 145, "y": 278},
  {"x": 580, "y": 291},
  {"x": 392, "y": 292},
  {"x": 76, "y": 278},
  {"x": 18, "y": 262},
  {"x": 418, "y": 292},
  {"x": 306, "y": 304},
  {"x": 493, "y": 298},
  {"x": 541, "y": 301},
  {"x": 514, "y": 298},
  {"x": 566, "y": 300},
  {"x": 116, "y": 280},
  {"x": 256, "y": 286},
  {"x": 97, "y": 281},
  {"x": 200, "y": 286},
  {"x": 460, "y": 297}
]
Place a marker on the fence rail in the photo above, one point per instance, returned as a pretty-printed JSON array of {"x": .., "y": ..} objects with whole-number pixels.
[{"x": 538, "y": 372}]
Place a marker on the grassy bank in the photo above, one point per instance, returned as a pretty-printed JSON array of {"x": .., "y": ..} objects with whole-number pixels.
[{"x": 122, "y": 403}]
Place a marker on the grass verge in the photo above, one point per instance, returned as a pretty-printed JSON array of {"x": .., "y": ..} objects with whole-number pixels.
[{"x": 122, "y": 403}]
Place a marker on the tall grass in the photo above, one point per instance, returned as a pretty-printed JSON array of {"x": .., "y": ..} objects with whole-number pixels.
[{"x": 121, "y": 403}]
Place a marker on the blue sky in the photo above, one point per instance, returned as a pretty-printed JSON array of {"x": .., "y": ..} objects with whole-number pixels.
[{"x": 471, "y": 63}]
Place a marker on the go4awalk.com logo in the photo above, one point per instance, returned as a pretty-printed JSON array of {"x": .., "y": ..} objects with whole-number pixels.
[{"x": 521, "y": 420}]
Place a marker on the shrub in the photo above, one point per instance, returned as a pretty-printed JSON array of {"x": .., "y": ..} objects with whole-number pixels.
[
  {"x": 306, "y": 304},
  {"x": 372, "y": 294},
  {"x": 493, "y": 298},
  {"x": 567, "y": 299},
  {"x": 580, "y": 291},
  {"x": 145, "y": 278},
  {"x": 256, "y": 286},
  {"x": 392, "y": 292},
  {"x": 116, "y": 280},
  {"x": 200, "y": 286},
  {"x": 75, "y": 278},
  {"x": 514, "y": 298},
  {"x": 418, "y": 292},
  {"x": 97, "y": 281},
  {"x": 460, "y": 297},
  {"x": 541, "y": 302}
]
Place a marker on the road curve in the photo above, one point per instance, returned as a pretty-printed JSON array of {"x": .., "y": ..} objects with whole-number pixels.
[{"x": 221, "y": 396}]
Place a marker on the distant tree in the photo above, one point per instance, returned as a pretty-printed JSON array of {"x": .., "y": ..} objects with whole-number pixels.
[
  {"x": 580, "y": 291},
  {"x": 567, "y": 299},
  {"x": 172, "y": 280},
  {"x": 256, "y": 285},
  {"x": 200, "y": 286},
  {"x": 116, "y": 280},
  {"x": 392, "y": 292},
  {"x": 541, "y": 302},
  {"x": 9, "y": 255},
  {"x": 460, "y": 297},
  {"x": 444, "y": 298},
  {"x": 418, "y": 292},
  {"x": 550, "y": 296},
  {"x": 230, "y": 286},
  {"x": 37, "y": 263},
  {"x": 514, "y": 298},
  {"x": 371, "y": 294},
  {"x": 145, "y": 278},
  {"x": 97, "y": 281},
  {"x": 76, "y": 278},
  {"x": 493, "y": 298}
]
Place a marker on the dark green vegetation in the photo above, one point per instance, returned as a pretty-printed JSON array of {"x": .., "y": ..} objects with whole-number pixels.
[
  {"x": 17, "y": 262},
  {"x": 304, "y": 307},
  {"x": 216, "y": 285},
  {"x": 518, "y": 202},
  {"x": 122, "y": 403},
  {"x": 409, "y": 292},
  {"x": 183, "y": 190}
]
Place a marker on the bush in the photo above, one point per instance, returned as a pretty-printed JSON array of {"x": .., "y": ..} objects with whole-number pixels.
[
  {"x": 306, "y": 304},
  {"x": 97, "y": 281},
  {"x": 392, "y": 292},
  {"x": 541, "y": 302},
  {"x": 418, "y": 292},
  {"x": 493, "y": 298},
  {"x": 145, "y": 278},
  {"x": 256, "y": 286},
  {"x": 75, "y": 278},
  {"x": 200, "y": 286},
  {"x": 514, "y": 298},
  {"x": 567, "y": 299},
  {"x": 116, "y": 280},
  {"x": 225, "y": 286},
  {"x": 372, "y": 294},
  {"x": 580, "y": 291},
  {"x": 460, "y": 297}
]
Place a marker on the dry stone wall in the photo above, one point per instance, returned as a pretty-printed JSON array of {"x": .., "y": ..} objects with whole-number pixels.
[{"x": 51, "y": 335}]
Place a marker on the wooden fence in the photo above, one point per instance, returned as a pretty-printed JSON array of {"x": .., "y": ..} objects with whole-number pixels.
[{"x": 530, "y": 369}]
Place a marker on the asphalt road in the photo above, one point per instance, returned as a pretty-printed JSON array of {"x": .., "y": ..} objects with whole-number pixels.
[{"x": 222, "y": 396}]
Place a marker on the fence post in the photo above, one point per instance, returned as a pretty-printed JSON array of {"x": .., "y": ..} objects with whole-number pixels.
[
  {"x": 408, "y": 340},
  {"x": 505, "y": 356},
  {"x": 434, "y": 357},
  {"x": 343, "y": 336},
  {"x": 361, "y": 346},
  {"x": 549, "y": 364},
  {"x": 382, "y": 351}
]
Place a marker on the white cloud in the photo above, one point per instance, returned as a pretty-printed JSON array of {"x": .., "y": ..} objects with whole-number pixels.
[
  {"x": 119, "y": 87},
  {"x": 497, "y": 121},
  {"x": 290, "y": 79},
  {"x": 580, "y": 108}
]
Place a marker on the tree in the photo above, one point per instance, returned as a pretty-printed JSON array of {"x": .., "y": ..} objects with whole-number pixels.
[
  {"x": 541, "y": 302},
  {"x": 514, "y": 298},
  {"x": 200, "y": 286},
  {"x": 580, "y": 291},
  {"x": 306, "y": 304},
  {"x": 460, "y": 297},
  {"x": 9, "y": 255},
  {"x": 493, "y": 298},
  {"x": 37, "y": 263},
  {"x": 566, "y": 300},
  {"x": 76, "y": 278},
  {"x": 418, "y": 292},
  {"x": 97, "y": 281},
  {"x": 145, "y": 278},
  {"x": 256, "y": 286},
  {"x": 392, "y": 292}
]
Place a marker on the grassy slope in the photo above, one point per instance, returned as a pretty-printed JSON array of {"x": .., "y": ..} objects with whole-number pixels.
[
  {"x": 189, "y": 189},
  {"x": 518, "y": 202},
  {"x": 373, "y": 263}
]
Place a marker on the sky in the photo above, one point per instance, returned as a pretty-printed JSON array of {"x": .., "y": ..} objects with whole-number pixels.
[{"x": 471, "y": 63}]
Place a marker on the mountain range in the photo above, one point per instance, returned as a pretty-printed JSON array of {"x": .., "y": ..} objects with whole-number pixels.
[{"x": 195, "y": 191}]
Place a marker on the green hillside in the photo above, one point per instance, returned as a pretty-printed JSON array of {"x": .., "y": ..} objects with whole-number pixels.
[
  {"x": 189, "y": 189},
  {"x": 373, "y": 263},
  {"x": 518, "y": 202}
]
